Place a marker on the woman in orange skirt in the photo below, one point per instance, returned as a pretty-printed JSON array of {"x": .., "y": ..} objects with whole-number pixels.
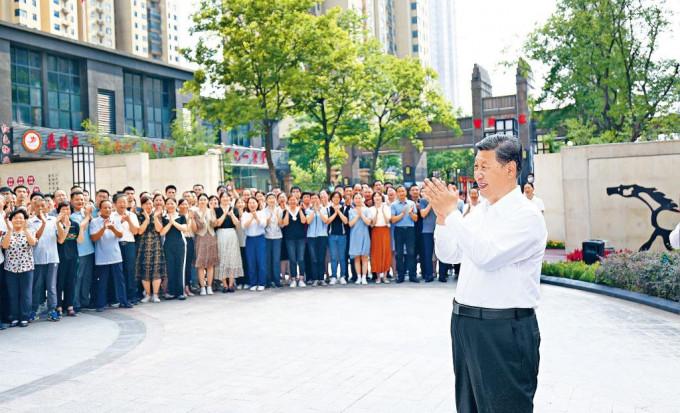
[{"x": 381, "y": 248}]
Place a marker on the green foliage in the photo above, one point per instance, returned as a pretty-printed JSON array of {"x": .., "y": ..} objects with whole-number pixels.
[
  {"x": 249, "y": 53},
  {"x": 446, "y": 162},
  {"x": 645, "y": 272},
  {"x": 401, "y": 99},
  {"x": 555, "y": 245},
  {"x": 190, "y": 138},
  {"x": 307, "y": 159},
  {"x": 577, "y": 270},
  {"x": 604, "y": 69}
]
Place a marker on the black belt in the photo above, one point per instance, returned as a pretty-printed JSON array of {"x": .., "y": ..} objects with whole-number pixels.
[{"x": 490, "y": 313}]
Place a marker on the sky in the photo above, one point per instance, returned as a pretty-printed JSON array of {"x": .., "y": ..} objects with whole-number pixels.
[{"x": 489, "y": 32}]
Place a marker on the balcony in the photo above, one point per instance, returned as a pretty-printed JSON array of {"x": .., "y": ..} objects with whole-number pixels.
[
  {"x": 100, "y": 22},
  {"x": 65, "y": 10}
]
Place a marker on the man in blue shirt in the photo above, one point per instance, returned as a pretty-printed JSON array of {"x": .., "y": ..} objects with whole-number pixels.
[
  {"x": 403, "y": 220},
  {"x": 108, "y": 258},
  {"x": 82, "y": 215},
  {"x": 429, "y": 220}
]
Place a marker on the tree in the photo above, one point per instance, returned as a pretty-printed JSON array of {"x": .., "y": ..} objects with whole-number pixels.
[
  {"x": 249, "y": 55},
  {"x": 602, "y": 59},
  {"x": 446, "y": 162},
  {"x": 333, "y": 79},
  {"x": 307, "y": 159},
  {"x": 190, "y": 137},
  {"x": 399, "y": 101}
]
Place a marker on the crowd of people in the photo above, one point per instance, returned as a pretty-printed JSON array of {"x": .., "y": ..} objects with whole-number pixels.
[{"x": 64, "y": 253}]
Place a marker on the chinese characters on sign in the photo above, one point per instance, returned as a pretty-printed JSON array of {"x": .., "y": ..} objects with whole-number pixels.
[
  {"x": 64, "y": 143},
  {"x": 246, "y": 156},
  {"x": 21, "y": 180}
]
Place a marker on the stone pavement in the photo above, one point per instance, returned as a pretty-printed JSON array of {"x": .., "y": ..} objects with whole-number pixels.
[{"x": 376, "y": 348}]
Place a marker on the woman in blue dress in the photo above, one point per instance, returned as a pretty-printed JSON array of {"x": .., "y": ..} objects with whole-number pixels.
[{"x": 359, "y": 238}]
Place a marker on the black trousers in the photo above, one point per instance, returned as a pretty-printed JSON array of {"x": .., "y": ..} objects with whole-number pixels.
[
  {"x": 175, "y": 260},
  {"x": 495, "y": 363},
  {"x": 405, "y": 236}
]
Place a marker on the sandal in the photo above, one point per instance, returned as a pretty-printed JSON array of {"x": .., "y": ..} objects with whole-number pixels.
[{"x": 71, "y": 313}]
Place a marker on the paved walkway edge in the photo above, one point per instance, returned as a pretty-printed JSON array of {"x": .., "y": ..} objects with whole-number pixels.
[{"x": 660, "y": 303}]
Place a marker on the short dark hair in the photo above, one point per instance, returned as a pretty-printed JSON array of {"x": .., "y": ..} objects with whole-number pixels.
[
  {"x": 529, "y": 183},
  {"x": 117, "y": 197},
  {"x": 19, "y": 186},
  {"x": 74, "y": 193},
  {"x": 128, "y": 188},
  {"x": 76, "y": 186},
  {"x": 376, "y": 181},
  {"x": 105, "y": 200},
  {"x": 293, "y": 188},
  {"x": 170, "y": 187},
  {"x": 5, "y": 189},
  {"x": 195, "y": 185},
  {"x": 305, "y": 193},
  {"x": 64, "y": 204},
  {"x": 36, "y": 194},
  {"x": 103, "y": 191},
  {"x": 18, "y": 211},
  {"x": 508, "y": 148}
]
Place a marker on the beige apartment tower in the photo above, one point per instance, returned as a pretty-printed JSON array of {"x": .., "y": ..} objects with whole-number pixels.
[
  {"x": 148, "y": 28},
  {"x": 97, "y": 24},
  {"x": 26, "y": 14}
]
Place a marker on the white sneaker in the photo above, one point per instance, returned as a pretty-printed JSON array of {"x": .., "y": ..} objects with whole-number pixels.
[
  {"x": 155, "y": 298},
  {"x": 343, "y": 281},
  {"x": 363, "y": 280},
  {"x": 145, "y": 299},
  {"x": 292, "y": 284},
  {"x": 323, "y": 283},
  {"x": 333, "y": 281},
  {"x": 239, "y": 287},
  {"x": 301, "y": 284},
  {"x": 246, "y": 286},
  {"x": 209, "y": 291},
  {"x": 260, "y": 288},
  {"x": 202, "y": 291},
  {"x": 358, "y": 281},
  {"x": 253, "y": 288}
]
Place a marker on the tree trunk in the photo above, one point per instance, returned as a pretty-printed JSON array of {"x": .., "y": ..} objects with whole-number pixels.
[
  {"x": 269, "y": 138},
  {"x": 374, "y": 163},
  {"x": 327, "y": 160}
]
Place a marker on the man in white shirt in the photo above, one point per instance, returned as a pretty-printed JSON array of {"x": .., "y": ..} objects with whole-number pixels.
[
  {"x": 675, "y": 237},
  {"x": 500, "y": 246},
  {"x": 130, "y": 224}
]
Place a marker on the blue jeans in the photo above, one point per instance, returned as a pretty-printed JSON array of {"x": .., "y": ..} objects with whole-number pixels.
[
  {"x": 256, "y": 252},
  {"x": 426, "y": 258},
  {"x": 405, "y": 236},
  {"x": 338, "y": 248},
  {"x": 19, "y": 292},
  {"x": 84, "y": 281},
  {"x": 116, "y": 272},
  {"x": 296, "y": 256},
  {"x": 129, "y": 252},
  {"x": 274, "y": 261},
  {"x": 45, "y": 278}
]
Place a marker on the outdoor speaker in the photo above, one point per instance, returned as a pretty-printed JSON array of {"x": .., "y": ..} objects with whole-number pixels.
[{"x": 592, "y": 251}]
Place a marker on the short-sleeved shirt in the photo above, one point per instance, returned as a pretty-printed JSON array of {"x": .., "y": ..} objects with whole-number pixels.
[
  {"x": 317, "y": 228},
  {"x": 430, "y": 221},
  {"x": 228, "y": 223},
  {"x": 68, "y": 250},
  {"x": 296, "y": 229},
  {"x": 127, "y": 234},
  {"x": 106, "y": 250},
  {"x": 254, "y": 229},
  {"x": 45, "y": 251},
  {"x": 174, "y": 236},
  {"x": 87, "y": 246},
  {"x": 381, "y": 221},
  {"x": 273, "y": 229},
  {"x": 538, "y": 203},
  {"x": 19, "y": 255},
  {"x": 398, "y": 207},
  {"x": 3, "y": 230}
]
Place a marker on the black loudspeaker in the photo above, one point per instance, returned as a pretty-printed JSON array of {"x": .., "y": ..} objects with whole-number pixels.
[{"x": 593, "y": 250}]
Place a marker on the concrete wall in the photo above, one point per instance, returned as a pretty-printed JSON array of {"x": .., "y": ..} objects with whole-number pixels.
[
  {"x": 114, "y": 172},
  {"x": 575, "y": 184},
  {"x": 548, "y": 187}
]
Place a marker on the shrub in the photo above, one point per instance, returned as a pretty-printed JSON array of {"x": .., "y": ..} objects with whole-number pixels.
[
  {"x": 577, "y": 270},
  {"x": 555, "y": 245},
  {"x": 646, "y": 272}
]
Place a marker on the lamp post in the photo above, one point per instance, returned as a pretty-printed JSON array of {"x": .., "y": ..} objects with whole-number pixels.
[{"x": 82, "y": 164}]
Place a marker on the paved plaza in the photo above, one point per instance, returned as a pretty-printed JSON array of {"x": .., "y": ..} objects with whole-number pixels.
[{"x": 377, "y": 348}]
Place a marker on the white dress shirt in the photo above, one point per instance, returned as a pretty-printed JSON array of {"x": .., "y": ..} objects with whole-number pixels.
[
  {"x": 127, "y": 234},
  {"x": 500, "y": 248},
  {"x": 675, "y": 237}
]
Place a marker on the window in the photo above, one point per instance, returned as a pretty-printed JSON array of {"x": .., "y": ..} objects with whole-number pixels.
[
  {"x": 157, "y": 104},
  {"x": 414, "y": 6},
  {"x": 134, "y": 118},
  {"x": 26, "y": 86},
  {"x": 109, "y": 43},
  {"x": 108, "y": 30},
  {"x": 135, "y": 25},
  {"x": 57, "y": 27},
  {"x": 136, "y": 48},
  {"x": 35, "y": 3},
  {"x": 136, "y": 37},
  {"x": 108, "y": 19},
  {"x": 56, "y": 14},
  {"x": 20, "y": 13},
  {"x": 63, "y": 93},
  {"x": 35, "y": 17},
  {"x": 135, "y": 14},
  {"x": 239, "y": 136},
  {"x": 415, "y": 48},
  {"x": 414, "y": 34},
  {"x": 145, "y": 50},
  {"x": 55, "y": 2}
]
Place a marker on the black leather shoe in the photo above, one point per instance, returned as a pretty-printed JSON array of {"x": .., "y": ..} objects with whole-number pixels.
[
  {"x": 399, "y": 281},
  {"x": 125, "y": 305}
]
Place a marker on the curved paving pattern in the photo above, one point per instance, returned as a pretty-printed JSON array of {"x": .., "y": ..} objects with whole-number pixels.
[{"x": 356, "y": 349}]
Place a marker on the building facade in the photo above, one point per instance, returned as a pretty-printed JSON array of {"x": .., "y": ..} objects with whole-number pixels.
[
  {"x": 443, "y": 46},
  {"x": 144, "y": 28}
]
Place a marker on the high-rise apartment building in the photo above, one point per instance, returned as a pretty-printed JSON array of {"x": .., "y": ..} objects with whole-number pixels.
[
  {"x": 97, "y": 24},
  {"x": 443, "y": 46},
  {"x": 412, "y": 29},
  {"x": 145, "y": 28}
]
